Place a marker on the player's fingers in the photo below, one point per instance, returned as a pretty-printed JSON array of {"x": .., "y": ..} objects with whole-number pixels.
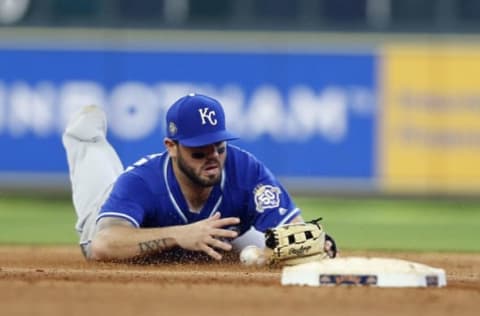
[
  {"x": 225, "y": 233},
  {"x": 220, "y": 244},
  {"x": 215, "y": 216},
  {"x": 328, "y": 245},
  {"x": 226, "y": 221},
  {"x": 211, "y": 252}
]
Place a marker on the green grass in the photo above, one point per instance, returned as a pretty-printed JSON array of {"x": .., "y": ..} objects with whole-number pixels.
[
  {"x": 356, "y": 224},
  {"x": 30, "y": 220},
  {"x": 419, "y": 225}
]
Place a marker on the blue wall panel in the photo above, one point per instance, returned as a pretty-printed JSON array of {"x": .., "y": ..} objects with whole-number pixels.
[{"x": 337, "y": 90}]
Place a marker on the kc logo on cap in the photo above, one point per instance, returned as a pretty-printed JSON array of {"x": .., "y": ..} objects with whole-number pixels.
[
  {"x": 197, "y": 120},
  {"x": 207, "y": 114}
]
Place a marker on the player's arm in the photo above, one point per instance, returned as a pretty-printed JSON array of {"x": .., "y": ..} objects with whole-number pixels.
[{"x": 118, "y": 239}]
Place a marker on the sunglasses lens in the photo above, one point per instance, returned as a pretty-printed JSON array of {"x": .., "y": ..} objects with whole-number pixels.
[
  {"x": 198, "y": 155},
  {"x": 201, "y": 155}
]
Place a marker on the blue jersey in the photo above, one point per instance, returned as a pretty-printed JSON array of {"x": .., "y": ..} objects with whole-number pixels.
[{"x": 148, "y": 195}]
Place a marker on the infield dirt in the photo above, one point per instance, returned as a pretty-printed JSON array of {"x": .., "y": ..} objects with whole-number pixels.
[{"x": 58, "y": 281}]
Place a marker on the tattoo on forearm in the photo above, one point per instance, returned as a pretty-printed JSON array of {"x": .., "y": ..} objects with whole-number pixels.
[{"x": 156, "y": 245}]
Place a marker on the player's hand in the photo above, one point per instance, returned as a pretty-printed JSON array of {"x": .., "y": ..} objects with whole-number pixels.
[
  {"x": 330, "y": 246},
  {"x": 208, "y": 234}
]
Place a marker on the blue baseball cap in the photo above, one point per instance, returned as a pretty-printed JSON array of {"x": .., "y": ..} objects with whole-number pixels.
[{"x": 197, "y": 120}]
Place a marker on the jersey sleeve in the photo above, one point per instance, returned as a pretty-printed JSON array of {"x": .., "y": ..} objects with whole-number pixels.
[
  {"x": 130, "y": 199},
  {"x": 270, "y": 202}
]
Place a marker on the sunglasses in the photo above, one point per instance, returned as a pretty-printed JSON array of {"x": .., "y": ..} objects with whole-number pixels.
[{"x": 199, "y": 155}]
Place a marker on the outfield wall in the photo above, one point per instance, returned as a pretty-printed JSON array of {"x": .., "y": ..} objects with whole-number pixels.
[{"x": 325, "y": 115}]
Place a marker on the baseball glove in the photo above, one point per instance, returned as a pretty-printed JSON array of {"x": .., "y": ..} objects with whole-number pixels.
[{"x": 298, "y": 243}]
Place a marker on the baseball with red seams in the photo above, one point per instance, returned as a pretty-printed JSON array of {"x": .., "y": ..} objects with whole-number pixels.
[{"x": 252, "y": 256}]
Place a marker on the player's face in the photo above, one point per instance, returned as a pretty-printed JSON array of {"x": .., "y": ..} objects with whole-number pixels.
[{"x": 202, "y": 165}]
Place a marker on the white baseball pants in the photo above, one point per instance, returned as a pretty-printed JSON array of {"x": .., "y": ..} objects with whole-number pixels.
[{"x": 93, "y": 166}]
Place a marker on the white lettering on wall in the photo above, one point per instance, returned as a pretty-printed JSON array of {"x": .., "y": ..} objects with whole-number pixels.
[
  {"x": 33, "y": 111},
  {"x": 265, "y": 115},
  {"x": 135, "y": 110},
  {"x": 72, "y": 95},
  {"x": 362, "y": 100},
  {"x": 323, "y": 113},
  {"x": 233, "y": 100}
]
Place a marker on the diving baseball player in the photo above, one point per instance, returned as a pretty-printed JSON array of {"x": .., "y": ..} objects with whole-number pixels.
[{"x": 201, "y": 194}]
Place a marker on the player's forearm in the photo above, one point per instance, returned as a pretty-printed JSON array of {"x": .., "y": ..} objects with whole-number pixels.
[{"x": 117, "y": 243}]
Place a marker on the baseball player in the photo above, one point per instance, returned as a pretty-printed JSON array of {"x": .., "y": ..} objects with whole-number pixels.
[{"x": 201, "y": 194}]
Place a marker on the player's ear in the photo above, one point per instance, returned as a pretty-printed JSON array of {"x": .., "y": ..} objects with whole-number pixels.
[{"x": 171, "y": 146}]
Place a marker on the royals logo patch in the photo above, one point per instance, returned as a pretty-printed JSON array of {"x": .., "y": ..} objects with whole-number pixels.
[{"x": 266, "y": 196}]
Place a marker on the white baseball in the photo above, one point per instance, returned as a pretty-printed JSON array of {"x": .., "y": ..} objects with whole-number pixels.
[{"x": 252, "y": 256}]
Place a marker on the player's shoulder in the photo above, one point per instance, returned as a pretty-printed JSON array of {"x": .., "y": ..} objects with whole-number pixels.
[
  {"x": 148, "y": 168},
  {"x": 241, "y": 157},
  {"x": 147, "y": 162},
  {"x": 242, "y": 167}
]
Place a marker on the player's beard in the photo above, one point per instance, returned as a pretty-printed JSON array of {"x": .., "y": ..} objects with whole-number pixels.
[{"x": 194, "y": 177}]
